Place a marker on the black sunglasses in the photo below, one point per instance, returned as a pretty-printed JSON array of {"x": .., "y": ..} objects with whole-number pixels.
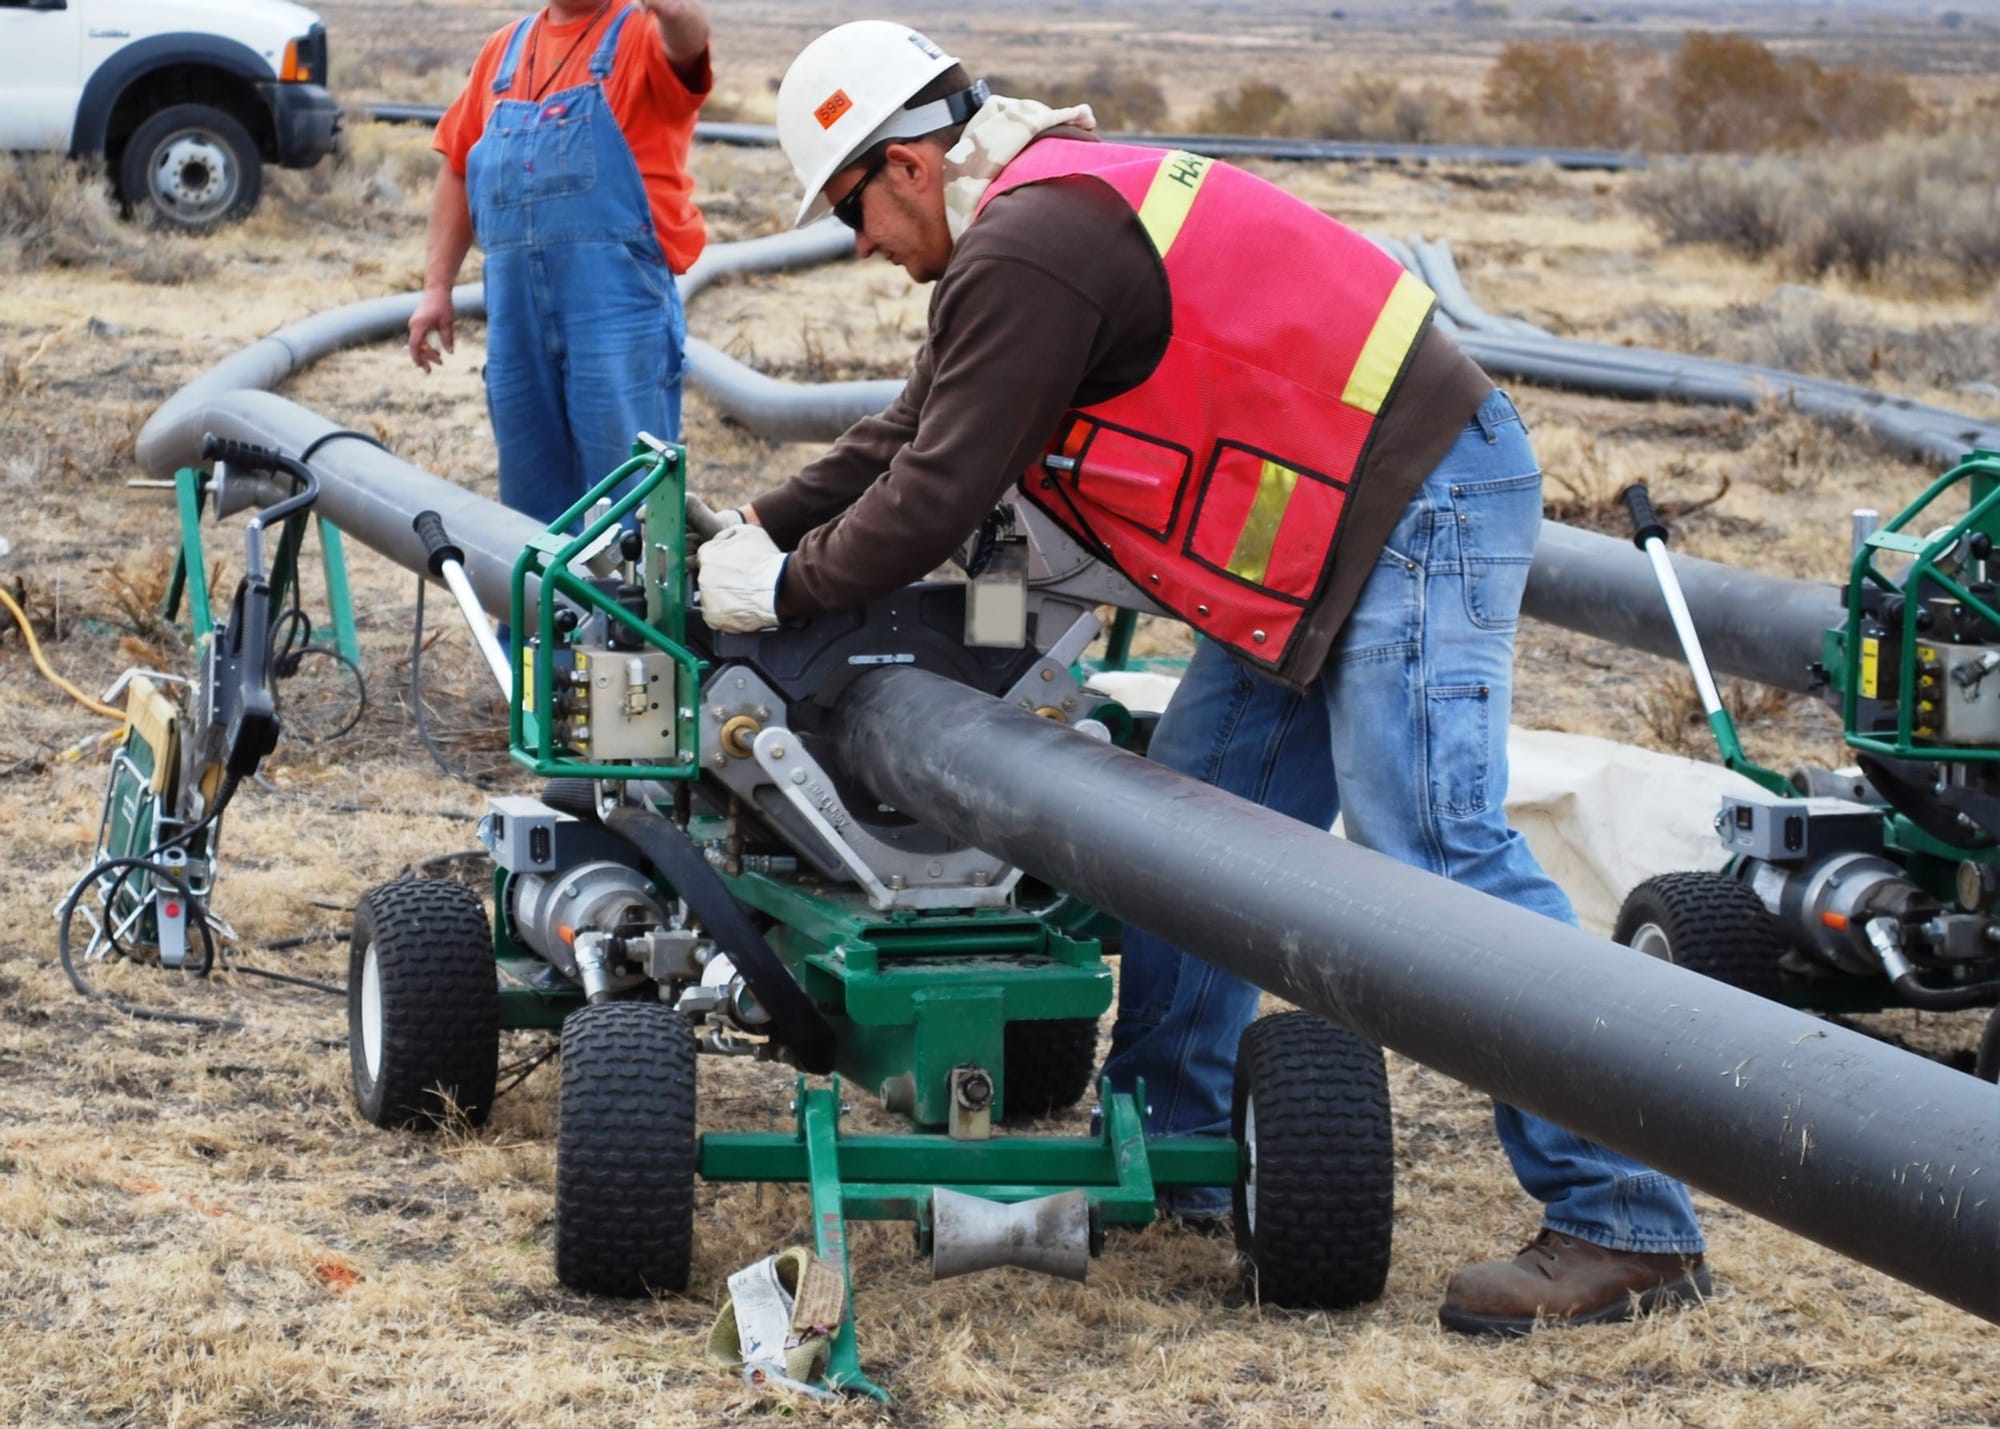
[{"x": 848, "y": 210}]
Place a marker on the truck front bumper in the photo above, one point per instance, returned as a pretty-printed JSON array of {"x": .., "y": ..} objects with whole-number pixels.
[{"x": 304, "y": 121}]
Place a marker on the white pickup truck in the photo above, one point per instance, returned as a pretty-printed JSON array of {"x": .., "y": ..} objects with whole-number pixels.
[{"x": 184, "y": 100}]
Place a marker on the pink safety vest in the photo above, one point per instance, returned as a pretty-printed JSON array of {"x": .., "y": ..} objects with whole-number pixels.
[{"x": 1217, "y": 485}]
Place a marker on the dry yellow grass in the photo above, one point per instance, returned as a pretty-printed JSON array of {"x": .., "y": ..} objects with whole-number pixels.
[{"x": 196, "y": 1228}]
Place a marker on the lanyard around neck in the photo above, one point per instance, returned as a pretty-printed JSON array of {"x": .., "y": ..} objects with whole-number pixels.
[{"x": 535, "y": 40}]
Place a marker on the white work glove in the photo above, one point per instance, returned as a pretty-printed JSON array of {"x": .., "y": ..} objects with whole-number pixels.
[{"x": 740, "y": 566}]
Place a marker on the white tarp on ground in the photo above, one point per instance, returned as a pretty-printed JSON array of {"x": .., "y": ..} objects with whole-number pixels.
[{"x": 1600, "y": 816}]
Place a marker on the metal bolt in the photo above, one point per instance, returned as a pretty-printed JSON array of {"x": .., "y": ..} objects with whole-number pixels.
[
  {"x": 1154, "y": 579},
  {"x": 934, "y": 868},
  {"x": 1201, "y": 610},
  {"x": 777, "y": 751},
  {"x": 762, "y": 712},
  {"x": 1047, "y": 673},
  {"x": 1258, "y": 636},
  {"x": 798, "y": 776}
]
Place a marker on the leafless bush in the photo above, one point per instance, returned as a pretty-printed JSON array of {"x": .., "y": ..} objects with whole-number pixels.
[
  {"x": 1715, "y": 93},
  {"x": 1381, "y": 110},
  {"x": 1798, "y": 330},
  {"x": 1728, "y": 93},
  {"x": 56, "y": 213},
  {"x": 1723, "y": 201},
  {"x": 1371, "y": 108},
  {"x": 1121, "y": 98},
  {"x": 1856, "y": 233},
  {"x": 1562, "y": 93},
  {"x": 378, "y": 181},
  {"x": 1923, "y": 210},
  {"x": 1256, "y": 106}
]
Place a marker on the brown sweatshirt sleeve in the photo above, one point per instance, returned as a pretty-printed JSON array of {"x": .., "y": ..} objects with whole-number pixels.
[
  {"x": 829, "y": 485},
  {"x": 1010, "y": 342}
]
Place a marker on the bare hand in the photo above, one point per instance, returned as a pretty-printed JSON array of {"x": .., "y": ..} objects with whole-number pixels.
[{"x": 433, "y": 315}]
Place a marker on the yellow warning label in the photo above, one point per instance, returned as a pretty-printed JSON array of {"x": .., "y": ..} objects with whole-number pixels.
[{"x": 1871, "y": 664}]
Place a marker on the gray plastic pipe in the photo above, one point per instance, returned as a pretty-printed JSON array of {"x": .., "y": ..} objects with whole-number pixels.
[
  {"x": 1872, "y": 1151},
  {"x": 1753, "y": 626},
  {"x": 1221, "y": 145}
]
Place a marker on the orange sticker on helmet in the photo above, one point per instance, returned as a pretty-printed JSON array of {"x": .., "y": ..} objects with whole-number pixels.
[{"x": 832, "y": 107}]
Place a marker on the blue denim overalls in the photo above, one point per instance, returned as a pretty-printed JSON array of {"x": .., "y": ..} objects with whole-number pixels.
[{"x": 584, "y": 328}]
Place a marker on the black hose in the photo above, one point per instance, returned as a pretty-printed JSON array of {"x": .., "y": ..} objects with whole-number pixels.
[
  {"x": 196, "y": 917},
  {"x": 795, "y": 1018},
  {"x": 1945, "y": 999}
]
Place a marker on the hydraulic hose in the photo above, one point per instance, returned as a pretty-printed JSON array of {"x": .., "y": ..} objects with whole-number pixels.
[{"x": 795, "y": 1017}]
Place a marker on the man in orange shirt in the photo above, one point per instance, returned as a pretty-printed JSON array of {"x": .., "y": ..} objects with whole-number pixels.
[{"x": 566, "y": 158}]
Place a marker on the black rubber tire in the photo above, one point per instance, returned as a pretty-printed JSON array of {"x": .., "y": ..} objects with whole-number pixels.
[
  {"x": 625, "y": 1150},
  {"x": 191, "y": 168},
  {"x": 1315, "y": 1207},
  {"x": 1986, "y": 1062},
  {"x": 1048, "y": 1065},
  {"x": 423, "y": 1004},
  {"x": 1708, "y": 923}
]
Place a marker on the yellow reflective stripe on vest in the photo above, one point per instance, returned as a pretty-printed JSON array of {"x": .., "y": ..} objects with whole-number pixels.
[
  {"x": 1252, "y": 556},
  {"x": 1396, "y": 329},
  {"x": 1171, "y": 195}
]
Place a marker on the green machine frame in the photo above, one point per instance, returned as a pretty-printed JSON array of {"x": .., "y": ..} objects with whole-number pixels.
[{"x": 913, "y": 996}]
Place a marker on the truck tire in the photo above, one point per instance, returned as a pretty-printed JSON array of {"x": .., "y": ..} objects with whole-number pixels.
[
  {"x": 1315, "y": 1203},
  {"x": 192, "y": 168},
  {"x": 423, "y": 1005},
  {"x": 625, "y": 1150},
  {"x": 1705, "y": 922}
]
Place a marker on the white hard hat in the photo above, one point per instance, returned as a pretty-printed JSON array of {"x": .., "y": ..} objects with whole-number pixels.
[{"x": 846, "y": 92}]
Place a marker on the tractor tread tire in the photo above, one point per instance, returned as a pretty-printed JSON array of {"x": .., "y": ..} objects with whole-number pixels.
[
  {"x": 625, "y": 1151},
  {"x": 439, "y": 1004},
  {"x": 1048, "y": 1065},
  {"x": 1325, "y": 1166},
  {"x": 1713, "y": 925}
]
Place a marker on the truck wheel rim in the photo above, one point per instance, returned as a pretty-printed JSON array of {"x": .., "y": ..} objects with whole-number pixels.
[
  {"x": 1651, "y": 939},
  {"x": 371, "y": 1013},
  {"x": 191, "y": 175}
]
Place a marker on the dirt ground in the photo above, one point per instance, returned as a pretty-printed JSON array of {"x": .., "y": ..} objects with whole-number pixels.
[{"x": 195, "y": 1226}]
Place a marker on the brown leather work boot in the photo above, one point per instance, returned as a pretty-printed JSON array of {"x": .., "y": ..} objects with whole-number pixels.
[{"x": 1560, "y": 1280}]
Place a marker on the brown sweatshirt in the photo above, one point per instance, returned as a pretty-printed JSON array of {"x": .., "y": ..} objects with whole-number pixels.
[{"x": 1054, "y": 299}]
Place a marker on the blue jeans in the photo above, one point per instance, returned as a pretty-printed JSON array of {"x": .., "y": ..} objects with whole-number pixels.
[{"x": 1405, "y": 733}]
